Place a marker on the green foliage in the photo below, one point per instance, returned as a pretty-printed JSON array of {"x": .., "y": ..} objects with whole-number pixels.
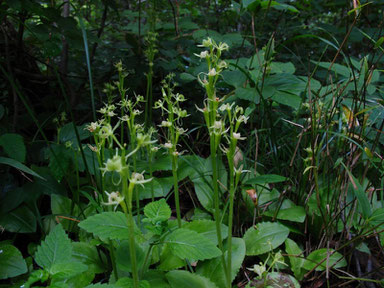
[
  {"x": 188, "y": 280},
  {"x": 12, "y": 262},
  {"x": 14, "y": 147},
  {"x": 54, "y": 250},
  {"x": 265, "y": 237},
  {"x": 107, "y": 225},
  {"x": 185, "y": 243}
]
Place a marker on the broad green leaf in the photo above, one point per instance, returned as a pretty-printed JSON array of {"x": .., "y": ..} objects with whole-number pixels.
[
  {"x": 168, "y": 261},
  {"x": 107, "y": 225},
  {"x": 204, "y": 191},
  {"x": 337, "y": 68},
  {"x": 186, "y": 279},
  {"x": 335, "y": 260},
  {"x": 265, "y": 237},
  {"x": 189, "y": 244},
  {"x": 156, "y": 279},
  {"x": 68, "y": 134},
  {"x": 296, "y": 259},
  {"x": 158, "y": 211},
  {"x": 279, "y": 67},
  {"x": 123, "y": 256},
  {"x": 207, "y": 228},
  {"x": 12, "y": 262},
  {"x": 55, "y": 249},
  {"x": 67, "y": 270},
  {"x": 360, "y": 194},
  {"x": 60, "y": 159},
  {"x": 128, "y": 283},
  {"x": 16, "y": 164},
  {"x": 234, "y": 78},
  {"x": 294, "y": 214},
  {"x": 249, "y": 94},
  {"x": 265, "y": 179},
  {"x": 19, "y": 220},
  {"x": 88, "y": 255},
  {"x": 186, "y": 77},
  {"x": 62, "y": 206},
  {"x": 161, "y": 187},
  {"x": 13, "y": 145},
  {"x": 377, "y": 217},
  {"x": 287, "y": 98},
  {"x": 101, "y": 285},
  {"x": 213, "y": 268}
]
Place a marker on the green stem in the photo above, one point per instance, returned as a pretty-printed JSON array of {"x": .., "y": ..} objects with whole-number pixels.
[
  {"x": 176, "y": 189},
  {"x": 216, "y": 202},
  {"x": 230, "y": 216},
  {"x": 128, "y": 192}
]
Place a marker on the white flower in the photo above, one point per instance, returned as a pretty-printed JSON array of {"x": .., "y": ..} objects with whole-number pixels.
[
  {"x": 222, "y": 46},
  {"x": 168, "y": 145},
  {"x": 92, "y": 127},
  {"x": 203, "y": 54},
  {"x": 237, "y": 136},
  {"x": 106, "y": 131},
  {"x": 138, "y": 178},
  {"x": 114, "y": 198},
  {"x": 212, "y": 72},
  {"x": 243, "y": 118},
  {"x": 114, "y": 164},
  {"x": 222, "y": 65},
  {"x": 144, "y": 140},
  {"x": 258, "y": 269},
  {"x": 165, "y": 124},
  {"x": 206, "y": 43}
]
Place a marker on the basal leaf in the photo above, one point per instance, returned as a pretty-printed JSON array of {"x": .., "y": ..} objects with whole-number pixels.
[
  {"x": 266, "y": 179},
  {"x": 189, "y": 244},
  {"x": 265, "y": 237},
  {"x": 11, "y": 260},
  {"x": 16, "y": 164},
  {"x": 213, "y": 268},
  {"x": 128, "y": 283},
  {"x": 88, "y": 255},
  {"x": 13, "y": 145},
  {"x": 335, "y": 260},
  {"x": 186, "y": 279},
  {"x": 207, "y": 228}
]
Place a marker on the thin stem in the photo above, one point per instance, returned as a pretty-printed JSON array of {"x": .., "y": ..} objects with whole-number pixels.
[
  {"x": 176, "y": 189},
  {"x": 128, "y": 191}
]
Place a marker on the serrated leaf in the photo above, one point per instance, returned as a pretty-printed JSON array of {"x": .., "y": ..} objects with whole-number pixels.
[
  {"x": 13, "y": 145},
  {"x": 55, "y": 249},
  {"x": 188, "y": 244},
  {"x": 213, "y": 268},
  {"x": 158, "y": 211},
  {"x": 107, "y": 225},
  {"x": 207, "y": 228},
  {"x": 265, "y": 237},
  {"x": 11, "y": 260},
  {"x": 186, "y": 279},
  {"x": 336, "y": 260}
]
